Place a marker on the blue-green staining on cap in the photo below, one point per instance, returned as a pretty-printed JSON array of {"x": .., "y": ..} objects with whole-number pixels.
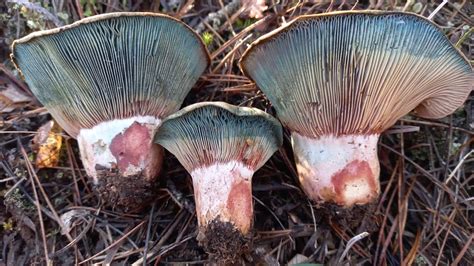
[
  {"x": 221, "y": 146},
  {"x": 109, "y": 80},
  {"x": 357, "y": 72},
  {"x": 111, "y": 66},
  {"x": 215, "y": 132},
  {"x": 337, "y": 80}
]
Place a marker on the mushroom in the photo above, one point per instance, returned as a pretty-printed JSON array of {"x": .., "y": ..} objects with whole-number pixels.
[
  {"x": 221, "y": 146},
  {"x": 109, "y": 80},
  {"x": 338, "y": 80}
]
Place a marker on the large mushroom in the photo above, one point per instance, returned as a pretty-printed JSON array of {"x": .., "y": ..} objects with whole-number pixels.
[
  {"x": 338, "y": 80},
  {"x": 109, "y": 80},
  {"x": 221, "y": 146}
]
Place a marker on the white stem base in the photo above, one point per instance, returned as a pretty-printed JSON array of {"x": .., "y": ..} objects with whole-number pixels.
[
  {"x": 223, "y": 191},
  {"x": 343, "y": 170},
  {"x": 126, "y": 144}
]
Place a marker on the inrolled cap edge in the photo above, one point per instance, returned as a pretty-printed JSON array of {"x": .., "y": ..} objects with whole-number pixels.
[
  {"x": 236, "y": 110},
  {"x": 268, "y": 36},
  {"x": 76, "y": 118},
  {"x": 277, "y": 132},
  {"x": 105, "y": 16},
  {"x": 431, "y": 108}
]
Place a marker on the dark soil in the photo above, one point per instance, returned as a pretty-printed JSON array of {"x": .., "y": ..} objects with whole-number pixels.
[
  {"x": 352, "y": 217},
  {"x": 223, "y": 242},
  {"x": 129, "y": 194}
]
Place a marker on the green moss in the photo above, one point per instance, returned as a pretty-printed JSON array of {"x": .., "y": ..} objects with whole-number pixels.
[
  {"x": 17, "y": 200},
  {"x": 207, "y": 38}
]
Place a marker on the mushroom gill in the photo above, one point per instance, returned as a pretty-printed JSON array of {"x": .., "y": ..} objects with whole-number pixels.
[
  {"x": 109, "y": 80},
  {"x": 338, "y": 80},
  {"x": 221, "y": 146}
]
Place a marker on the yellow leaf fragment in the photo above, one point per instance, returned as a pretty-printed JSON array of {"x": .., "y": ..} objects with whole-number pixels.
[{"x": 48, "y": 142}]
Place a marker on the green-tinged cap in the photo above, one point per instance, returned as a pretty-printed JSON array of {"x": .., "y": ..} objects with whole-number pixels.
[
  {"x": 357, "y": 72},
  {"x": 206, "y": 133},
  {"x": 111, "y": 66}
]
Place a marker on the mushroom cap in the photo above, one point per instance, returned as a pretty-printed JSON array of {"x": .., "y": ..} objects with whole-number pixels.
[
  {"x": 206, "y": 133},
  {"x": 357, "y": 72},
  {"x": 111, "y": 66}
]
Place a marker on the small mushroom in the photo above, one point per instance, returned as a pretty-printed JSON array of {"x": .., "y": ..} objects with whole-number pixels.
[
  {"x": 109, "y": 80},
  {"x": 221, "y": 146},
  {"x": 338, "y": 80}
]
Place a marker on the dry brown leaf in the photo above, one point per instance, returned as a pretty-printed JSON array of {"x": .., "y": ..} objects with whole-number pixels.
[
  {"x": 48, "y": 143},
  {"x": 10, "y": 96}
]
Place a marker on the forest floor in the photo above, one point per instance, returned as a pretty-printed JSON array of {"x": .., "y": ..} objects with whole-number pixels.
[{"x": 424, "y": 216}]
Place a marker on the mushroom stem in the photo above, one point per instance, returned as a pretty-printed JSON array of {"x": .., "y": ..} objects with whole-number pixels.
[
  {"x": 118, "y": 152},
  {"x": 339, "y": 169},
  {"x": 223, "y": 194}
]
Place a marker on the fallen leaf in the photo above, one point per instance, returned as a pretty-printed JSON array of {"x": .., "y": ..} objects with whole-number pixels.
[
  {"x": 11, "y": 96},
  {"x": 48, "y": 143}
]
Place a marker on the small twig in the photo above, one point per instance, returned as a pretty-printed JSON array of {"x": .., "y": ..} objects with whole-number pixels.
[
  {"x": 226, "y": 57},
  {"x": 165, "y": 235},
  {"x": 424, "y": 171},
  {"x": 402, "y": 205},
  {"x": 184, "y": 9},
  {"x": 402, "y": 129},
  {"x": 77, "y": 197},
  {"x": 410, "y": 257},
  {"x": 77, "y": 239},
  {"x": 408, "y": 5},
  {"x": 463, "y": 251},
  {"x": 14, "y": 187},
  {"x": 342, "y": 234},
  {"x": 379, "y": 244},
  {"x": 80, "y": 12},
  {"x": 178, "y": 197},
  {"x": 386, "y": 243},
  {"x": 464, "y": 37},
  {"x": 430, "y": 17},
  {"x": 351, "y": 242},
  {"x": 74, "y": 166},
  {"x": 8, "y": 179},
  {"x": 312, "y": 215},
  {"x": 177, "y": 244},
  {"x": 458, "y": 166},
  {"x": 148, "y": 230},
  {"x": 118, "y": 241},
  {"x": 44, "y": 194},
  {"x": 37, "y": 203},
  {"x": 240, "y": 35},
  {"x": 437, "y": 124},
  {"x": 271, "y": 212},
  {"x": 438, "y": 232},
  {"x": 441, "y": 249}
]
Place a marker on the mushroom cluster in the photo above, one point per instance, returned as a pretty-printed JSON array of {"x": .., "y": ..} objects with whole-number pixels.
[
  {"x": 115, "y": 82},
  {"x": 221, "y": 146},
  {"x": 109, "y": 80},
  {"x": 338, "y": 80}
]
